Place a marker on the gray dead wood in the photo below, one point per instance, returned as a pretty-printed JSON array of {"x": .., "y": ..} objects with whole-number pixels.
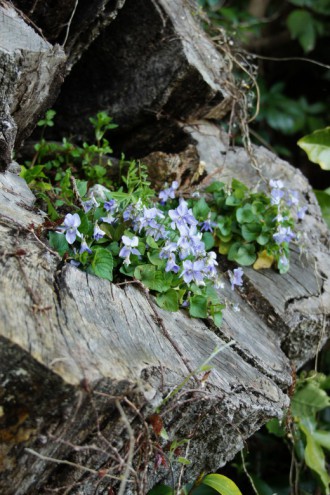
[
  {"x": 72, "y": 344},
  {"x": 30, "y": 74},
  {"x": 295, "y": 305},
  {"x": 152, "y": 66},
  {"x": 67, "y": 336}
]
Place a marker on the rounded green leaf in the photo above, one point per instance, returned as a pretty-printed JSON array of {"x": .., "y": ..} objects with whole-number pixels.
[
  {"x": 58, "y": 242},
  {"x": 317, "y": 147},
  {"x": 198, "y": 307},
  {"x": 302, "y": 28},
  {"x": 221, "y": 484},
  {"x": 245, "y": 214},
  {"x": 169, "y": 300},
  {"x": 102, "y": 264}
]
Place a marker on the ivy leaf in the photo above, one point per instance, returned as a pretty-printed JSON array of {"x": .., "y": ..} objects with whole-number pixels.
[
  {"x": 168, "y": 300},
  {"x": 58, "y": 242},
  {"x": 323, "y": 198},
  {"x": 102, "y": 264},
  {"x": 221, "y": 484},
  {"x": 317, "y": 147},
  {"x": 302, "y": 27},
  {"x": 314, "y": 456},
  {"x": 308, "y": 400},
  {"x": 198, "y": 307}
]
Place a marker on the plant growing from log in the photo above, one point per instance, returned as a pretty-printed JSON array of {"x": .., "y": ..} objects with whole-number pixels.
[{"x": 168, "y": 243}]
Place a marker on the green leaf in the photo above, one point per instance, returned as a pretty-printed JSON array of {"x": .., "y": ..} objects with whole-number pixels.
[
  {"x": 221, "y": 484},
  {"x": 308, "y": 400},
  {"x": 198, "y": 307},
  {"x": 244, "y": 254},
  {"x": 155, "y": 259},
  {"x": 153, "y": 279},
  {"x": 317, "y": 147},
  {"x": 58, "y": 242},
  {"x": 251, "y": 231},
  {"x": 161, "y": 490},
  {"x": 322, "y": 438},
  {"x": 314, "y": 457},
  {"x": 102, "y": 264},
  {"x": 274, "y": 427},
  {"x": 208, "y": 240},
  {"x": 302, "y": 28},
  {"x": 82, "y": 187},
  {"x": 215, "y": 187},
  {"x": 183, "y": 460},
  {"x": 245, "y": 214},
  {"x": 169, "y": 300},
  {"x": 201, "y": 210},
  {"x": 151, "y": 242}
]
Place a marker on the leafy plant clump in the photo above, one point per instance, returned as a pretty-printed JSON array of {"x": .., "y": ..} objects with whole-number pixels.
[{"x": 167, "y": 243}]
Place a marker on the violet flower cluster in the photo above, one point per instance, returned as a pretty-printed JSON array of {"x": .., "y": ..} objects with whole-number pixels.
[{"x": 285, "y": 199}]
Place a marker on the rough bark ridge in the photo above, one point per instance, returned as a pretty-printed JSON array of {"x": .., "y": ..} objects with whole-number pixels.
[{"x": 83, "y": 362}]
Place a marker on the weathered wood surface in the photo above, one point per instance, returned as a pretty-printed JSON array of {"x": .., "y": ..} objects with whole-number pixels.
[
  {"x": 153, "y": 65},
  {"x": 72, "y": 344},
  {"x": 296, "y": 305},
  {"x": 30, "y": 74},
  {"x": 64, "y": 332}
]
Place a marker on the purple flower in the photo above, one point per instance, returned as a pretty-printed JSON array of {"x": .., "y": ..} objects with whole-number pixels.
[
  {"x": 110, "y": 206},
  {"x": 182, "y": 215},
  {"x": 156, "y": 230},
  {"x": 108, "y": 219},
  {"x": 190, "y": 241},
  {"x": 235, "y": 277},
  {"x": 193, "y": 272},
  {"x": 128, "y": 213},
  {"x": 84, "y": 247},
  {"x": 149, "y": 215},
  {"x": 293, "y": 198},
  {"x": 129, "y": 248},
  {"x": 276, "y": 196},
  {"x": 71, "y": 224},
  {"x": 75, "y": 263},
  {"x": 301, "y": 212},
  {"x": 210, "y": 264},
  {"x": 168, "y": 249},
  {"x": 171, "y": 264},
  {"x": 207, "y": 225},
  {"x": 283, "y": 261},
  {"x": 168, "y": 193},
  {"x": 283, "y": 234},
  {"x": 90, "y": 203},
  {"x": 276, "y": 184},
  {"x": 98, "y": 233}
]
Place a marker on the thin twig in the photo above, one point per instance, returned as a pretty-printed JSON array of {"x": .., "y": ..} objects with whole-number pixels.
[
  {"x": 73, "y": 464},
  {"x": 69, "y": 23},
  {"x": 125, "y": 479},
  {"x": 248, "y": 474}
]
